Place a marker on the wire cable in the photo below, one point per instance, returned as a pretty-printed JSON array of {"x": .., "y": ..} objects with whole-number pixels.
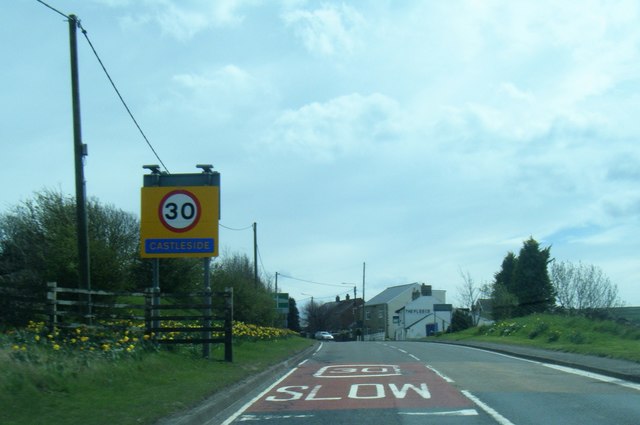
[
  {"x": 52, "y": 8},
  {"x": 237, "y": 230},
  {"x": 310, "y": 281},
  {"x": 264, "y": 270},
  {"x": 84, "y": 32}
]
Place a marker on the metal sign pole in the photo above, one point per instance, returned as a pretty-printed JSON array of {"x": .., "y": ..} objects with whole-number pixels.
[
  {"x": 155, "y": 296},
  {"x": 206, "y": 323}
]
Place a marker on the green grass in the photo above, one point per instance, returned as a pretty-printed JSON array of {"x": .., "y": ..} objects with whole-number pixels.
[
  {"x": 575, "y": 334},
  {"x": 42, "y": 386}
]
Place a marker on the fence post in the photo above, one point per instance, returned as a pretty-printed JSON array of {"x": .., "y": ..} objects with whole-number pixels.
[
  {"x": 52, "y": 300},
  {"x": 147, "y": 311},
  {"x": 228, "y": 324}
]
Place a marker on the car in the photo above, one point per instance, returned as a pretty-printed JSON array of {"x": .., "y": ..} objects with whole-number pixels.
[{"x": 324, "y": 336}]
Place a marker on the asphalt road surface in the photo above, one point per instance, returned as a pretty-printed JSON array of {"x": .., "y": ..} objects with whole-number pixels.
[{"x": 416, "y": 383}]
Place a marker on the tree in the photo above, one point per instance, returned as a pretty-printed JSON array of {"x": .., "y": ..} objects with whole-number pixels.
[
  {"x": 318, "y": 316},
  {"x": 531, "y": 283},
  {"x": 503, "y": 303},
  {"x": 38, "y": 244},
  {"x": 293, "y": 318},
  {"x": 582, "y": 287},
  {"x": 175, "y": 274},
  {"x": 506, "y": 276},
  {"x": 468, "y": 292},
  {"x": 503, "y": 300},
  {"x": 251, "y": 303},
  {"x": 460, "y": 320}
]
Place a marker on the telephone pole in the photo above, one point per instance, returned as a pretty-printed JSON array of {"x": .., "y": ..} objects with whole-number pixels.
[
  {"x": 255, "y": 254},
  {"x": 80, "y": 150}
]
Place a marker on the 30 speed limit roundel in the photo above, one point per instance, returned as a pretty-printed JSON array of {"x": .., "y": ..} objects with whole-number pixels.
[{"x": 179, "y": 211}]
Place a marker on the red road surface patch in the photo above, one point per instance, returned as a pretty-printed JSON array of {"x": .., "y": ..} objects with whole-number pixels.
[{"x": 359, "y": 386}]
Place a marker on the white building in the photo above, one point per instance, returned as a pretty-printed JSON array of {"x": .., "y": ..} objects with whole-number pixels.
[
  {"x": 406, "y": 312},
  {"x": 423, "y": 317}
]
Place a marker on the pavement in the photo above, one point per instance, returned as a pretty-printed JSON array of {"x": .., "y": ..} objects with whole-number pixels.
[{"x": 621, "y": 369}]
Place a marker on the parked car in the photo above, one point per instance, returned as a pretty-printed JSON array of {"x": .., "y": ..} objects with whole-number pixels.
[{"x": 324, "y": 336}]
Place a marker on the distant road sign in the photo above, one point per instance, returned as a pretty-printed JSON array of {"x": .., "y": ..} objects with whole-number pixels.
[{"x": 179, "y": 221}]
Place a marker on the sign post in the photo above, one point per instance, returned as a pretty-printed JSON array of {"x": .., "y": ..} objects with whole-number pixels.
[
  {"x": 179, "y": 218},
  {"x": 282, "y": 307}
]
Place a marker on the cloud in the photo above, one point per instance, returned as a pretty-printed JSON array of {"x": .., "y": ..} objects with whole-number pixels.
[
  {"x": 223, "y": 93},
  {"x": 625, "y": 168},
  {"x": 342, "y": 126},
  {"x": 182, "y": 20},
  {"x": 328, "y": 30}
]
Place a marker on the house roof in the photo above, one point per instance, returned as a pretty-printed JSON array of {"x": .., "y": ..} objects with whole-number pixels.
[
  {"x": 484, "y": 305},
  {"x": 390, "y": 293}
]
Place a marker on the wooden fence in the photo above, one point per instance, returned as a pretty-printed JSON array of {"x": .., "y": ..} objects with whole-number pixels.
[{"x": 165, "y": 315}]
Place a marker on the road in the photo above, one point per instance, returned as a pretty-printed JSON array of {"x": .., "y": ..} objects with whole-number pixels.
[{"x": 417, "y": 383}]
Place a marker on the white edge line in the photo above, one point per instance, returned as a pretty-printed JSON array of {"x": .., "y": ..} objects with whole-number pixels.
[
  {"x": 596, "y": 376},
  {"x": 489, "y": 410},
  {"x": 240, "y": 411},
  {"x": 567, "y": 369}
]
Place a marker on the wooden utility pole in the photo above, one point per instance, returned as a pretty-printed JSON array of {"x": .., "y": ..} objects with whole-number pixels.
[
  {"x": 363, "y": 275},
  {"x": 255, "y": 254},
  {"x": 80, "y": 150}
]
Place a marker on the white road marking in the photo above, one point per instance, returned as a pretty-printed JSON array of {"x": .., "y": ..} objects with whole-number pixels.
[
  {"x": 566, "y": 369},
  {"x": 443, "y": 376},
  {"x": 489, "y": 410},
  {"x": 463, "y": 412},
  {"x": 247, "y": 418},
  {"x": 403, "y": 351},
  {"x": 233, "y": 417},
  {"x": 596, "y": 376}
]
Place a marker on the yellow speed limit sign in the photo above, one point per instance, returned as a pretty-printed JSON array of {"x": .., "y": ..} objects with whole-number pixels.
[{"x": 179, "y": 221}]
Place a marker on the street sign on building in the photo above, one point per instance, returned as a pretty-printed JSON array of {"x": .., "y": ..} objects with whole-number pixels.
[{"x": 179, "y": 215}]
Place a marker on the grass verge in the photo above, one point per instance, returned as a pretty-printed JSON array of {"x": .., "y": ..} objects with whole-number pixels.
[
  {"x": 576, "y": 334},
  {"x": 43, "y": 386}
]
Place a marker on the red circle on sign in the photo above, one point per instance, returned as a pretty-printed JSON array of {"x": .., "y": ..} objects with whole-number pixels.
[{"x": 179, "y": 211}]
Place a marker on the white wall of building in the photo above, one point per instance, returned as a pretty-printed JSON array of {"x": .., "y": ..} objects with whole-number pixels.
[{"x": 412, "y": 320}]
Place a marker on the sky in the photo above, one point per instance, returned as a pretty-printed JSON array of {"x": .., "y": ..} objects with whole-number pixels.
[{"x": 423, "y": 140}]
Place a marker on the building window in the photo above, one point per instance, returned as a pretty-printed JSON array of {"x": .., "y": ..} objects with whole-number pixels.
[
  {"x": 379, "y": 314},
  {"x": 367, "y": 315}
]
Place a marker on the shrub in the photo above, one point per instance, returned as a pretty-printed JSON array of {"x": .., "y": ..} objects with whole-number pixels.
[
  {"x": 539, "y": 328},
  {"x": 577, "y": 337},
  {"x": 553, "y": 336}
]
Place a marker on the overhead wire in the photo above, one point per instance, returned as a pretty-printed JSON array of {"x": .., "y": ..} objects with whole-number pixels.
[
  {"x": 264, "y": 270},
  {"x": 115, "y": 88},
  {"x": 237, "y": 230},
  {"x": 52, "y": 8},
  {"x": 310, "y": 281}
]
